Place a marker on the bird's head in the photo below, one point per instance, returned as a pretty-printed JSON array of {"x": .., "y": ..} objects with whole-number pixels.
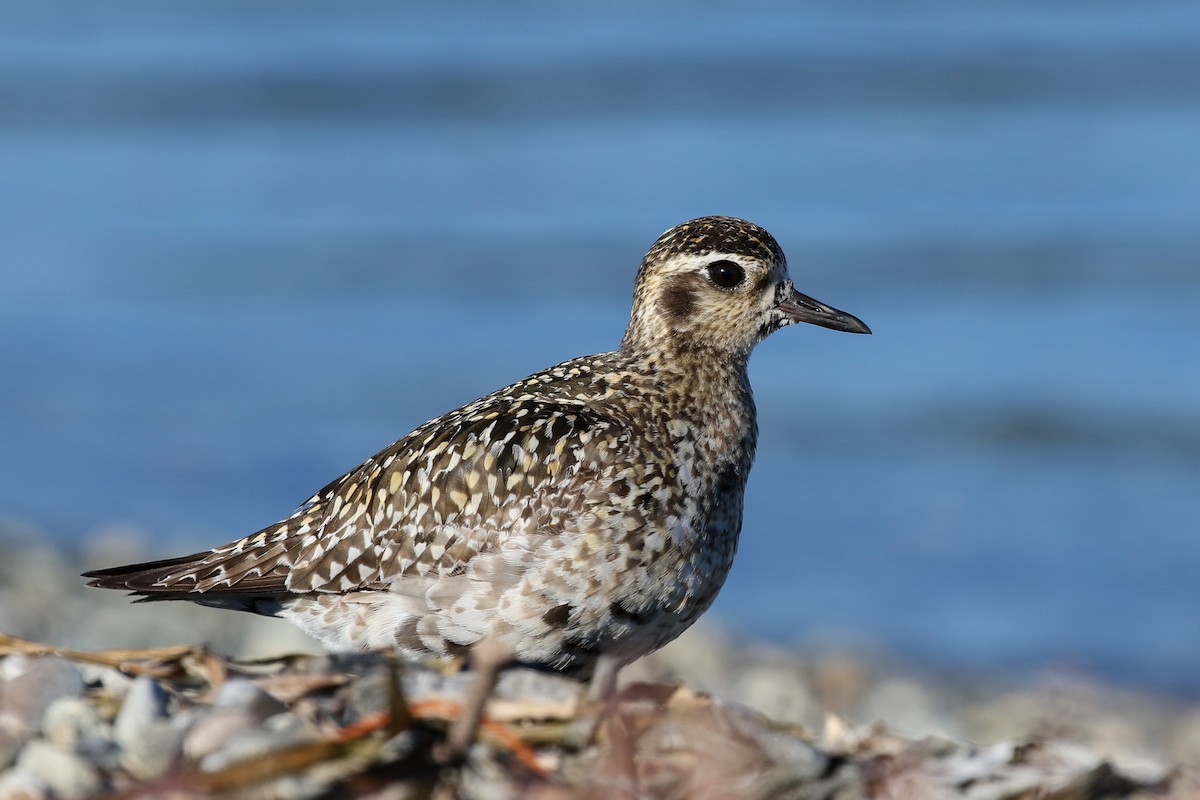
[{"x": 720, "y": 284}]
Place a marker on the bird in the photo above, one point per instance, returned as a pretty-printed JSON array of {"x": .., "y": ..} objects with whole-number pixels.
[{"x": 575, "y": 520}]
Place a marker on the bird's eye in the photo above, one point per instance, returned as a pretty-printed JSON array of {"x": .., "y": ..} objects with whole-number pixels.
[{"x": 726, "y": 274}]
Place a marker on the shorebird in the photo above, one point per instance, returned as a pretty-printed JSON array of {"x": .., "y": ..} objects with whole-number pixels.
[{"x": 576, "y": 520}]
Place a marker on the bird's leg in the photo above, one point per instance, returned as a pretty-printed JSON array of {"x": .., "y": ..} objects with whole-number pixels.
[
  {"x": 486, "y": 657},
  {"x": 603, "y": 685},
  {"x": 596, "y": 702}
]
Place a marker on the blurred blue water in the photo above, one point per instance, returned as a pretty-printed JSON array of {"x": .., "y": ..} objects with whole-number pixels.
[{"x": 247, "y": 245}]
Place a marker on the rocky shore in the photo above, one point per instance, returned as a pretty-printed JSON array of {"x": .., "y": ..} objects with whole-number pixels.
[{"x": 169, "y": 714}]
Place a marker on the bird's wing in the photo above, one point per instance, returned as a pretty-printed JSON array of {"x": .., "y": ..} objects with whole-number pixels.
[{"x": 425, "y": 505}]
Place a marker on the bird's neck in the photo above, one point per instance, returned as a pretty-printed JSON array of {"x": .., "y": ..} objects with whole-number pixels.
[
  {"x": 703, "y": 400},
  {"x": 713, "y": 382},
  {"x": 688, "y": 360}
]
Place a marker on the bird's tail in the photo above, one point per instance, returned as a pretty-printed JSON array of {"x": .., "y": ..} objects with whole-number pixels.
[{"x": 191, "y": 578}]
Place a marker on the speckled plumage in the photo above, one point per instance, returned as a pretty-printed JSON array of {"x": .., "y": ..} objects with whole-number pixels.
[{"x": 592, "y": 509}]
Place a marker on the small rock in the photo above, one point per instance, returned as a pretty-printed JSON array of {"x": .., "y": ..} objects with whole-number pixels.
[
  {"x": 16, "y": 785},
  {"x": 224, "y": 737},
  {"x": 149, "y": 740},
  {"x": 248, "y": 744},
  {"x": 68, "y": 719},
  {"x": 28, "y": 684},
  {"x": 239, "y": 706},
  {"x": 112, "y": 682},
  {"x": 245, "y": 696},
  {"x": 145, "y": 704},
  {"x": 73, "y": 723},
  {"x": 68, "y": 776},
  {"x": 213, "y": 732}
]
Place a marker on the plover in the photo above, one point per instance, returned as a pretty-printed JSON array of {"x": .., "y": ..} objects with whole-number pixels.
[{"x": 577, "y": 519}]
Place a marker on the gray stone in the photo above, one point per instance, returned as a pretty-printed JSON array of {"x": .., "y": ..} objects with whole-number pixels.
[
  {"x": 239, "y": 706},
  {"x": 67, "y": 775},
  {"x": 214, "y": 731},
  {"x": 69, "y": 719},
  {"x": 16, "y": 785},
  {"x": 146, "y": 703},
  {"x": 112, "y": 682},
  {"x": 74, "y": 723},
  {"x": 28, "y": 684},
  {"x": 150, "y": 741},
  {"x": 245, "y": 696},
  {"x": 247, "y": 744}
]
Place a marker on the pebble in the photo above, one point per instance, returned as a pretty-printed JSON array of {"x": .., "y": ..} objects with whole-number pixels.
[
  {"x": 28, "y": 684},
  {"x": 239, "y": 706},
  {"x": 246, "y": 697},
  {"x": 68, "y": 776},
  {"x": 113, "y": 683},
  {"x": 16, "y": 785},
  {"x": 150, "y": 740},
  {"x": 68, "y": 720},
  {"x": 75, "y": 724},
  {"x": 248, "y": 743}
]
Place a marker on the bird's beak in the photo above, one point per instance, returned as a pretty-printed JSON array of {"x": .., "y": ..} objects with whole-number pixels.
[{"x": 802, "y": 308}]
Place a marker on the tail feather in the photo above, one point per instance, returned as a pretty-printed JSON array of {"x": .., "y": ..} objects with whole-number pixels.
[
  {"x": 188, "y": 577},
  {"x": 146, "y": 582},
  {"x": 142, "y": 578}
]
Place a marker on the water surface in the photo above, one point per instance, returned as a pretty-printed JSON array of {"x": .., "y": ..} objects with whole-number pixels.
[{"x": 245, "y": 246}]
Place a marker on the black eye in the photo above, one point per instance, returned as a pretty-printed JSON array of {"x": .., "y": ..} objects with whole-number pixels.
[{"x": 726, "y": 274}]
